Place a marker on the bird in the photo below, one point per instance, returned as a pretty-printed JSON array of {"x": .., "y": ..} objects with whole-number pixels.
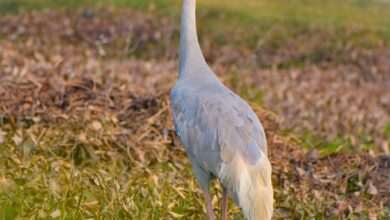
[{"x": 222, "y": 136}]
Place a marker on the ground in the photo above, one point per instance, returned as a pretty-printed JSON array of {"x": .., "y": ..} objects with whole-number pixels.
[{"x": 85, "y": 120}]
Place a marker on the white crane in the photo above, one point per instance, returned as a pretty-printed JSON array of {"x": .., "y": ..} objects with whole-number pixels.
[{"x": 221, "y": 134}]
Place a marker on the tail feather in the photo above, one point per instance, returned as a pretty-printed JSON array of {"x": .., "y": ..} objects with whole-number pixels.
[{"x": 250, "y": 187}]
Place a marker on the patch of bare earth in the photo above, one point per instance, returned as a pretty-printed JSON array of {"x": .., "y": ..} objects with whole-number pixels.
[{"x": 76, "y": 70}]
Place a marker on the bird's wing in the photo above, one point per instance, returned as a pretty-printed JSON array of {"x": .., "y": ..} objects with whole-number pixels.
[
  {"x": 218, "y": 121},
  {"x": 240, "y": 130}
]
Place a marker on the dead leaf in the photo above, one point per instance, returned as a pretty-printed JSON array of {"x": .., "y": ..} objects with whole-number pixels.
[
  {"x": 96, "y": 125},
  {"x": 372, "y": 189}
]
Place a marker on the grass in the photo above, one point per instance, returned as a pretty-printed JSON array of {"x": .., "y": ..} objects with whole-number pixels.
[
  {"x": 253, "y": 17},
  {"x": 42, "y": 179},
  {"x": 325, "y": 147},
  {"x": 306, "y": 13},
  {"x": 265, "y": 26},
  {"x": 75, "y": 169}
]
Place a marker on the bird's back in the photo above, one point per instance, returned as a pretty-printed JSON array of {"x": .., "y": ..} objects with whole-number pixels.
[
  {"x": 194, "y": 126},
  {"x": 214, "y": 124}
]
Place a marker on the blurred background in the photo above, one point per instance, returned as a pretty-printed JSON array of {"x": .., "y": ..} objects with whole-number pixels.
[{"x": 85, "y": 122}]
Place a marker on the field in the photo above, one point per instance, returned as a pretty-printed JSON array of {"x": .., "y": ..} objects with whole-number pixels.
[{"x": 85, "y": 121}]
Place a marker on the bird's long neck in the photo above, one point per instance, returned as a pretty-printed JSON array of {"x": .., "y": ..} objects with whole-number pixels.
[{"x": 191, "y": 59}]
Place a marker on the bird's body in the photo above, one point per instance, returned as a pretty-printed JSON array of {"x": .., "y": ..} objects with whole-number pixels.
[{"x": 221, "y": 134}]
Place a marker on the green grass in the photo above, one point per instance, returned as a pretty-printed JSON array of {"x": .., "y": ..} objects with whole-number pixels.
[
  {"x": 318, "y": 13},
  {"x": 387, "y": 130},
  {"x": 324, "y": 30},
  {"x": 40, "y": 179},
  {"x": 15, "y": 6},
  {"x": 253, "y": 17},
  {"x": 311, "y": 141}
]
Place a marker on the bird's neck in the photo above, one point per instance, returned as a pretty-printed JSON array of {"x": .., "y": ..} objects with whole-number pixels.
[{"x": 191, "y": 60}]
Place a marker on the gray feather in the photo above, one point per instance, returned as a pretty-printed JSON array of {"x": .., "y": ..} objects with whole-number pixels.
[{"x": 214, "y": 124}]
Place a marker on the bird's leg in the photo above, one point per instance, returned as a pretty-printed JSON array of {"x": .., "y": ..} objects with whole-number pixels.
[
  {"x": 208, "y": 204},
  {"x": 224, "y": 203}
]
